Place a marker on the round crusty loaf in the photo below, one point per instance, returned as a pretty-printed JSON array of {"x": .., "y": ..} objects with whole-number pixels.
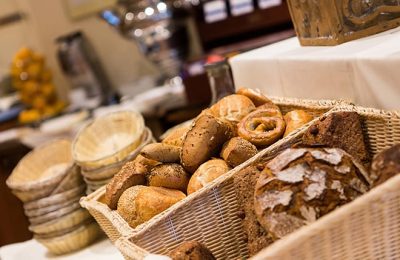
[
  {"x": 161, "y": 152},
  {"x": 169, "y": 175},
  {"x": 301, "y": 185},
  {"x": 237, "y": 150},
  {"x": 255, "y": 96},
  {"x": 232, "y": 108},
  {"x": 125, "y": 178},
  {"x": 206, "y": 173},
  {"x": 204, "y": 140},
  {"x": 385, "y": 165},
  {"x": 191, "y": 250},
  {"x": 139, "y": 204}
]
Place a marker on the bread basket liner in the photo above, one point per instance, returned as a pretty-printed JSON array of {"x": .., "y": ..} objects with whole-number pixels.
[
  {"x": 73, "y": 241},
  {"x": 67, "y": 221},
  {"x": 108, "y": 171},
  {"x": 55, "y": 214},
  {"x": 36, "y": 189},
  {"x": 55, "y": 199},
  {"x": 71, "y": 180},
  {"x": 65, "y": 231},
  {"x": 215, "y": 221},
  {"x": 114, "y": 225},
  {"x": 119, "y": 154}
]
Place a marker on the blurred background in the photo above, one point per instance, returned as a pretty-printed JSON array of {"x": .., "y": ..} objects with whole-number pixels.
[{"x": 65, "y": 61}]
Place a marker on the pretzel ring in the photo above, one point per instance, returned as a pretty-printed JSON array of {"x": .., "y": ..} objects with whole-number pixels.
[
  {"x": 254, "y": 95},
  {"x": 262, "y": 127}
]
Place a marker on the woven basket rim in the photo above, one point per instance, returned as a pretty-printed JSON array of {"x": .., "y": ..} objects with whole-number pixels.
[
  {"x": 46, "y": 182},
  {"x": 99, "y": 120}
]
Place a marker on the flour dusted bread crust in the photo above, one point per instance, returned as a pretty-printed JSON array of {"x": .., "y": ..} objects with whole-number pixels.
[
  {"x": 237, "y": 150},
  {"x": 301, "y": 185},
  {"x": 204, "y": 140},
  {"x": 385, "y": 165},
  {"x": 176, "y": 136},
  {"x": 169, "y": 175},
  {"x": 139, "y": 204},
  {"x": 191, "y": 250},
  {"x": 206, "y": 173}
]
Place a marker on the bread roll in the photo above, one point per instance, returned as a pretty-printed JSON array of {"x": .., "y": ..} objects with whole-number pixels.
[
  {"x": 301, "y": 185},
  {"x": 191, "y": 250},
  {"x": 255, "y": 96},
  {"x": 161, "y": 152},
  {"x": 176, "y": 136},
  {"x": 143, "y": 165},
  {"x": 385, "y": 165},
  {"x": 232, "y": 108},
  {"x": 170, "y": 175},
  {"x": 127, "y": 177},
  {"x": 139, "y": 204},
  {"x": 296, "y": 119},
  {"x": 204, "y": 140},
  {"x": 237, "y": 150},
  {"x": 206, "y": 173}
]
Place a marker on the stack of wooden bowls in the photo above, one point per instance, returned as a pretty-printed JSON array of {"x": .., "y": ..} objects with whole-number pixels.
[
  {"x": 104, "y": 145},
  {"x": 50, "y": 185}
]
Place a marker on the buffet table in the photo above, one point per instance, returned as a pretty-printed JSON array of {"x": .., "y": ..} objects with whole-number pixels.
[
  {"x": 364, "y": 71},
  {"x": 31, "y": 249}
]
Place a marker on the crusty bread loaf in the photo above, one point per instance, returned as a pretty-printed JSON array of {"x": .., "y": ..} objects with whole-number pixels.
[
  {"x": 176, "y": 136},
  {"x": 232, "y": 108},
  {"x": 339, "y": 130},
  {"x": 255, "y": 96},
  {"x": 204, "y": 140},
  {"x": 296, "y": 119},
  {"x": 207, "y": 172},
  {"x": 385, "y": 165},
  {"x": 169, "y": 175},
  {"x": 139, "y": 204},
  {"x": 127, "y": 177},
  {"x": 301, "y": 185},
  {"x": 161, "y": 152},
  {"x": 191, "y": 250},
  {"x": 237, "y": 150}
]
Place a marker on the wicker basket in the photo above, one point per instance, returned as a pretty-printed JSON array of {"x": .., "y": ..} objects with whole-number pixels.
[
  {"x": 115, "y": 227},
  {"x": 367, "y": 228}
]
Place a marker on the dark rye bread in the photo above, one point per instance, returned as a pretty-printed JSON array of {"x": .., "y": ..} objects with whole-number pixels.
[
  {"x": 244, "y": 182},
  {"x": 339, "y": 130},
  {"x": 385, "y": 165}
]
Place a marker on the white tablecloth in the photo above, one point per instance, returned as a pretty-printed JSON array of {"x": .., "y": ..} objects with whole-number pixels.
[
  {"x": 365, "y": 71},
  {"x": 32, "y": 250}
]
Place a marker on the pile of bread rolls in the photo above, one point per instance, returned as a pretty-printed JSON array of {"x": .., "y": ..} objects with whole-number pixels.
[{"x": 220, "y": 138}]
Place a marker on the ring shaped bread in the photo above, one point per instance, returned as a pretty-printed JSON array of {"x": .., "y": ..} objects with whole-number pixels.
[{"x": 263, "y": 126}]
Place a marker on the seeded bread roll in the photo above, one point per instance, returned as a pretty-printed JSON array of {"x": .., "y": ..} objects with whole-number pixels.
[
  {"x": 139, "y": 204},
  {"x": 204, "y": 140},
  {"x": 176, "y": 136},
  {"x": 385, "y": 165},
  {"x": 237, "y": 150},
  {"x": 170, "y": 175},
  {"x": 296, "y": 119},
  {"x": 161, "y": 152},
  {"x": 191, "y": 250},
  {"x": 301, "y": 185},
  {"x": 206, "y": 173},
  {"x": 127, "y": 177}
]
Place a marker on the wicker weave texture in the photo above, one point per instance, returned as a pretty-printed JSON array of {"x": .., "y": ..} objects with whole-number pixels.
[{"x": 182, "y": 221}]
